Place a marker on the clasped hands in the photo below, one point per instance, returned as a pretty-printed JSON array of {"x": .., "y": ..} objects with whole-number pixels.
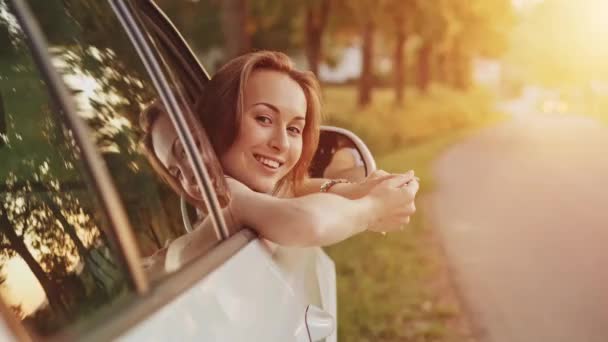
[{"x": 394, "y": 197}]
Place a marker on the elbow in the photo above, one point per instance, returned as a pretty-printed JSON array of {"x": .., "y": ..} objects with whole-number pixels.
[{"x": 303, "y": 229}]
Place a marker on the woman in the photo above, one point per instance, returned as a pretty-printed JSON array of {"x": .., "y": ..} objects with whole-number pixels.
[{"x": 262, "y": 117}]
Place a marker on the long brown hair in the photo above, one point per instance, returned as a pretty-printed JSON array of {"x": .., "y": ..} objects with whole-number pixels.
[{"x": 221, "y": 106}]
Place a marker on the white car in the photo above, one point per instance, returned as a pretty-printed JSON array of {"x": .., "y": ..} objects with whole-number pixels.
[{"x": 85, "y": 220}]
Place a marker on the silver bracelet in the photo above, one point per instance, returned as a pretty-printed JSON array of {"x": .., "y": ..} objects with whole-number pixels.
[{"x": 328, "y": 184}]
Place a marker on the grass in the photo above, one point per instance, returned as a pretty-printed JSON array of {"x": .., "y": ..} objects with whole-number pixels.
[{"x": 389, "y": 286}]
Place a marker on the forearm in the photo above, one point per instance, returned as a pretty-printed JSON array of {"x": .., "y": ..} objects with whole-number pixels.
[
  {"x": 348, "y": 190},
  {"x": 312, "y": 220}
]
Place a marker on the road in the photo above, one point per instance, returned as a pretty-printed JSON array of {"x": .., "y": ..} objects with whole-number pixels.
[{"x": 522, "y": 212}]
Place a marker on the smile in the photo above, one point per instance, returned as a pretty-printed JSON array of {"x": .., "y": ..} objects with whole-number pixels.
[{"x": 268, "y": 162}]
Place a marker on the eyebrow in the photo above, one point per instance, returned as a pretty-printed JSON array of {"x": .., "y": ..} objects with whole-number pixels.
[{"x": 276, "y": 110}]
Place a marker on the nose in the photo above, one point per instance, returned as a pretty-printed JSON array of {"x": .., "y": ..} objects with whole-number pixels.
[{"x": 279, "y": 140}]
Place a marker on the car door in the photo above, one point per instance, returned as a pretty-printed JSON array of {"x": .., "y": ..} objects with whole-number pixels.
[
  {"x": 89, "y": 212},
  {"x": 307, "y": 273}
]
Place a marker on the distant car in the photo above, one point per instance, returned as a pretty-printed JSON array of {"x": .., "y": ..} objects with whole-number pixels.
[
  {"x": 554, "y": 105},
  {"x": 85, "y": 220}
]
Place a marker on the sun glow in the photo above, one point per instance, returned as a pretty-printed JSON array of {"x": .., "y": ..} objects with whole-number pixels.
[{"x": 21, "y": 288}]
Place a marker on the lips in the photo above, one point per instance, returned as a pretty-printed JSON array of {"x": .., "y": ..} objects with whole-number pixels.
[{"x": 269, "y": 162}]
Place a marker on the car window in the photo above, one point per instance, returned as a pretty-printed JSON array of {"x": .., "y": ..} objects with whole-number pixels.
[
  {"x": 189, "y": 79},
  {"x": 59, "y": 264},
  {"x": 112, "y": 89}
]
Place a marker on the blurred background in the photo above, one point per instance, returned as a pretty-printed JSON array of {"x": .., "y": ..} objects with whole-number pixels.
[
  {"x": 413, "y": 78},
  {"x": 500, "y": 107}
]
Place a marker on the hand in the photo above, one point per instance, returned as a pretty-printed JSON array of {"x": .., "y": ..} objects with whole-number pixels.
[
  {"x": 377, "y": 176},
  {"x": 394, "y": 197}
]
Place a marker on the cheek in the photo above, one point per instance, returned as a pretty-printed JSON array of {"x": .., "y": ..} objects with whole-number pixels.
[{"x": 296, "y": 150}]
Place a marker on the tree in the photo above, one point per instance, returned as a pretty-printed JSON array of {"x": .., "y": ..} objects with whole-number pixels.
[
  {"x": 236, "y": 28},
  {"x": 362, "y": 17},
  {"x": 400, "y": 16},
  {"x": 316, "y": 17},
  {"x": 14, "y": 244},
  {"x": 475, "y": 29}
]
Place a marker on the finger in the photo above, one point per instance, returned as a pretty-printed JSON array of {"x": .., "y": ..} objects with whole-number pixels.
[
  {"x": 397, "y": 181},
  {"x": 413, "y": 187},
  {"x": 410, "y": 208},
  {"x": 408, "y": 177},
  {"x": 380, "y": 173}
]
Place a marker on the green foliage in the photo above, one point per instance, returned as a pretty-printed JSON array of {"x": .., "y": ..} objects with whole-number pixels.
[
  {"x": 385, "y": 283},
  {"x": 385, "y": 126},
  {"x": 197, "y": 21}
]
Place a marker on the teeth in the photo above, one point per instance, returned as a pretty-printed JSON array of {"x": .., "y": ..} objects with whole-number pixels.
[{"x": 268, "y": 162}]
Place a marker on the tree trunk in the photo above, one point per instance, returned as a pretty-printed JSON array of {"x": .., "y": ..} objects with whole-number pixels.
[
  {"x": 463, "y": 73},
  {"x": 367, "y": 78},
  {"x": 102, "y": 274},
  {"x": 53, "y": 295},
  {"x": 316, "y": 21},
  {"x": 234, "y": 14},
  {"x": 443, "y": 68},
  {"x": 424, "y": 67},
  {"x": 399, "y": 66}
]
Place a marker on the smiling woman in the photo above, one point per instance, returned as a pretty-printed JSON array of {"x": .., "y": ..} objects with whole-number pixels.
[
  {"x": 261, "y": 112},
  {"x": 262, "y": 118},
  {"x": 270, "y": 140}
]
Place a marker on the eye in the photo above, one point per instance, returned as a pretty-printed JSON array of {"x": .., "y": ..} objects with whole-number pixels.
[
  {"x": 294, "y": 130},
  {"x": 263, "y": 119}
]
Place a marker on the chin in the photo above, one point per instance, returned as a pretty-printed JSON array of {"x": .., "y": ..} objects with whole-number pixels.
[{"x": 264, "y": 187}]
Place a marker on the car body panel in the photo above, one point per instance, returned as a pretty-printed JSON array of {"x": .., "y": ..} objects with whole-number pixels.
[{"x": 257, "y": 295}]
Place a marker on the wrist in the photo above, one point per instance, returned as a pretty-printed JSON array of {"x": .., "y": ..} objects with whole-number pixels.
[
  {"x": 369, "y": 209},
  {"x": 328, "y": 185}
]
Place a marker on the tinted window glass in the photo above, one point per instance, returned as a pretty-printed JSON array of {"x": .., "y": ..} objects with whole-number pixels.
[
  {"x": 112, "y": 90},
  {"x": 58, "y": 261}
]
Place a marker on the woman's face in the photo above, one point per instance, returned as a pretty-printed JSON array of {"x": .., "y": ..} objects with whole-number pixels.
[
  {"x": 269, "y": 142},
  {"x": 171, "y": 153}
]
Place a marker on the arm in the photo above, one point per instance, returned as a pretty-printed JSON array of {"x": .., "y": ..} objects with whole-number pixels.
[
  {"x": 323, "y": 219},
  {"x": 348, "y": 190},
  {"x": 296, "y": 222},
  {"x": 313, "y": 220}
]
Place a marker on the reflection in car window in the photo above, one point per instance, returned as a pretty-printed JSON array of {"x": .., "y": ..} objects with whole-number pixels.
[
  {"x": 58, "y": 261},
  {"x": 111, "y": 86}
]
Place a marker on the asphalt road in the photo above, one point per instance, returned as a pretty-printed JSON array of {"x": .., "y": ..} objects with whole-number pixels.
[{"x": 522, "y": 211}]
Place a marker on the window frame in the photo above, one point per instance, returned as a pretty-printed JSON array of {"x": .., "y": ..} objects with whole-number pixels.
[
  {"x": 146, "y": 300},
  {"x": 151, "y": 58}
]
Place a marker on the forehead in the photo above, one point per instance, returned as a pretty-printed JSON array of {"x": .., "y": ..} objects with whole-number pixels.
[{"x": 275, "y": 88}]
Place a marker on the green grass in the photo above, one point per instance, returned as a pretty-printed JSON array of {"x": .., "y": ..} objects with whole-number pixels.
[{"x": 387, "y": 284}]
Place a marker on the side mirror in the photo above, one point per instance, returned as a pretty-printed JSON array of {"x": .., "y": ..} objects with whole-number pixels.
[{"x": 341, "y": 154}]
